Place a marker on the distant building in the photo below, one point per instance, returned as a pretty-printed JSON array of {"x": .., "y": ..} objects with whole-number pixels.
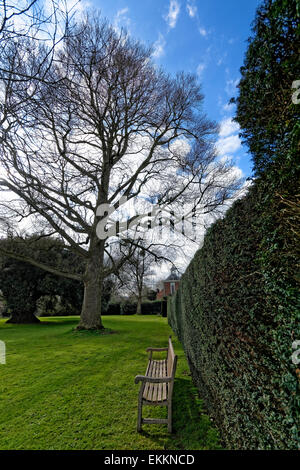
[{"x": 170, "y": 285}]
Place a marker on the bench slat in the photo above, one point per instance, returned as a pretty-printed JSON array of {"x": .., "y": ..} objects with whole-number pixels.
[
  {"x": 148, "y": 373},
  {"x": 170, "y": 359},
  {"x": 164, "y": 386},
  {"x": 151, "y": 386},
  {"x": 155, "y": 386},
  {"x": 159, "y": 391},
  {"x": 150, "y": 391}
]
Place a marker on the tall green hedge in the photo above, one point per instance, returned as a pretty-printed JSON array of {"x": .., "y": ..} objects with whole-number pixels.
[{"x": 237, "y": 313}]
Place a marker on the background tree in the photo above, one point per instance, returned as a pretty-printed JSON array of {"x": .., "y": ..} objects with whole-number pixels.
[
  {"x": 138, "y": 268},
  {"x": 18, "y": 284},
  {"x": 103, "y": 124},
  {"x": 22, "y": 283},
  {"x": 270, "y": 83},
  {"x": 266, "y": 112}
]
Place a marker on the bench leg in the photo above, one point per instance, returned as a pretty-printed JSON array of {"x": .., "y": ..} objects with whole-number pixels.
[
  {"x": 139, "y": 417},
  {"x": 170, "y": 417}
]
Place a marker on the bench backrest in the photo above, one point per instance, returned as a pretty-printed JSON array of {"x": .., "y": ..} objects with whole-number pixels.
[{"x": 171, "y": 360}]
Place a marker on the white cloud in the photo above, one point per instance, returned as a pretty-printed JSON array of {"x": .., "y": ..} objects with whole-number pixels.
[
  {"x": 191, "y": 9},
  {"x": 73, "y": 5},
  {"x": 159, "y": 46},
  {"x": 172, "y": 16},
  {"x": 230, "y": 144},
  {"x": 228, "y": 107},
  {"x": 231, "y": 86},
  {"x": 121, "y": 13},
  {"x": 193, "y": 13},
  {"x": 121, "y": 19},
  {"x": 202, "y": 31},
  {"x": 227, "y": 127},
  {"x": 222, "y": 58},
  {"x": 200, "y": 69}
]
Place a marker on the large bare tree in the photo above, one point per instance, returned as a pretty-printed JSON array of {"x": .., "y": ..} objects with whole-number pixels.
[{"x": 103, "y": 124}]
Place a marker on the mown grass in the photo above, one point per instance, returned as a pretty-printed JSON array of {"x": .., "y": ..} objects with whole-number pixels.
[{"x": 65, "y": 390}]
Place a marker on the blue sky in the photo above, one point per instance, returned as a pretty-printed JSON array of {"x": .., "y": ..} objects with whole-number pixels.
[{"x": 208, "y": 38}]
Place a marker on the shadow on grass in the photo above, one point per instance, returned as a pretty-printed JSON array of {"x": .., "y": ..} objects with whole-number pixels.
[
  {"x": 63, "y": 320},
  {"x": 40, "y": 323},
  {"x": 192, "y": 427},
  {"x": 86, "y": 333}
]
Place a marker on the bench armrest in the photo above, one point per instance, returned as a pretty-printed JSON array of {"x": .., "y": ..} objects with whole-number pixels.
[
  {"x": 150, "y": 350},
  {"x": 158, "y": 380}
]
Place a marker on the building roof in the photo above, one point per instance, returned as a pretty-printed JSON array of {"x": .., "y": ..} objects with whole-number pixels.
[{"x": 173, "y": 276}]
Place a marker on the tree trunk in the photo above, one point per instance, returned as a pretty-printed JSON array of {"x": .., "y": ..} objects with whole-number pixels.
[
  {"x": 90, "y": 318},
  {"x": 22, "y": 318},
  {"x": 139, "y": 305}
]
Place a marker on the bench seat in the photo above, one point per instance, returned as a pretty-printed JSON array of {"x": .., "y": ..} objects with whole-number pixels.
[{"x": 156, "y": 393}]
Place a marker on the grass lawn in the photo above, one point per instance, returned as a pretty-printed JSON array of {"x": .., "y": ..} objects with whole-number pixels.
[{"x": 62, "y": 389}]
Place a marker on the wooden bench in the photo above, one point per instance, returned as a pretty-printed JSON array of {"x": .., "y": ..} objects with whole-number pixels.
[{"x": 157, "y": 385}]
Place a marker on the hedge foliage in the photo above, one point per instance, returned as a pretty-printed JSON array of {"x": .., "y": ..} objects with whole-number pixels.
[
  {"x": 129, "y": 308},
  {"x": 237, "y": 314}
]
